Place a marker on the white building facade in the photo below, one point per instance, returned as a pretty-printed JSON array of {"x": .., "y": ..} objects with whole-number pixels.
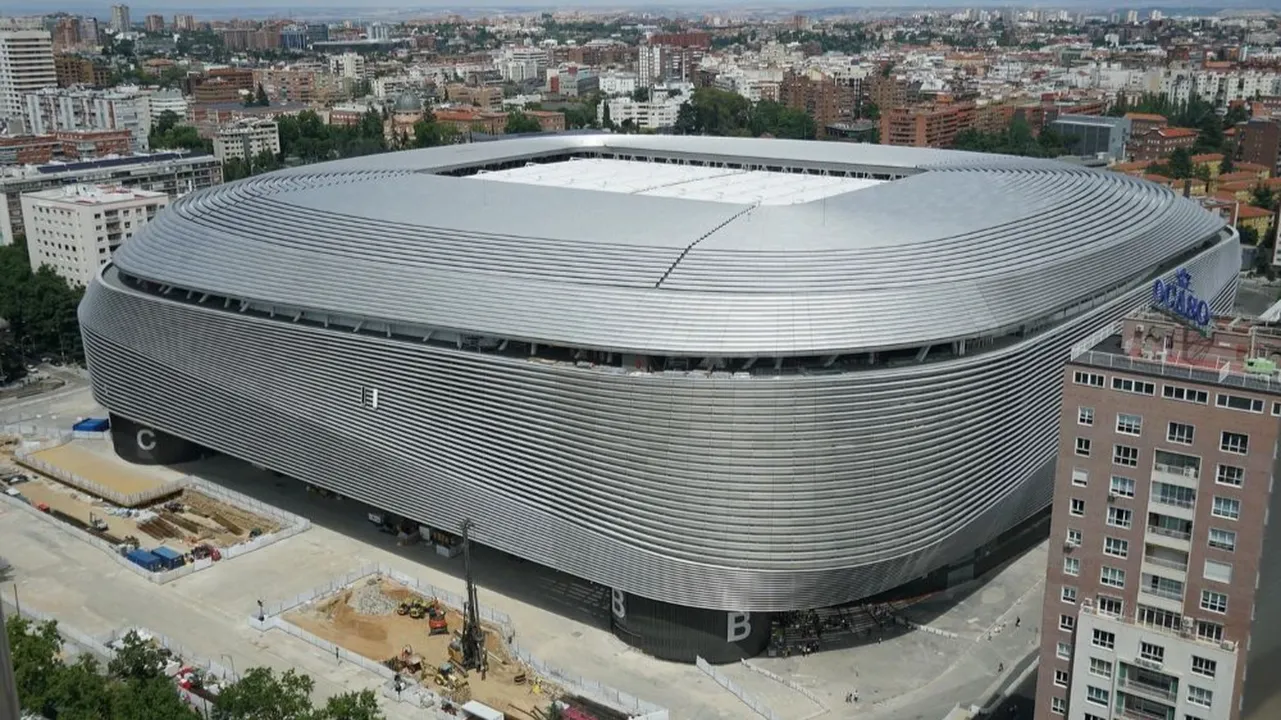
[
  {"x": 52, "y": 109},
  {"x": 76, "y": 229},
  {"x": 26, "y": 65},
  {"x": 246, "y": 139}
]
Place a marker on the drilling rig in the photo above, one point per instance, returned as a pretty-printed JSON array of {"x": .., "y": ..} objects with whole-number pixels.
[{"x": 473, "y": 638}]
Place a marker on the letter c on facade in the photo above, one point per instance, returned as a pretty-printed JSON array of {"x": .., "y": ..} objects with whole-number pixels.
[{"x": 146, "y": 440}]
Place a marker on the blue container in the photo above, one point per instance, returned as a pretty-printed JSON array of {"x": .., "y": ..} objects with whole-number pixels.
[
  {"x": 92, "y": 425},
  {"x": 169, "y": 559},
  {"x": 145, "y": 559}
]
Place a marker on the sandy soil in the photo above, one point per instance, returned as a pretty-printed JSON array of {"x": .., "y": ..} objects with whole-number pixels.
[
  {"x": 81, "y": 505},
  {"x": 380, "y": 637},
  {"x": 96, "y": 468}
]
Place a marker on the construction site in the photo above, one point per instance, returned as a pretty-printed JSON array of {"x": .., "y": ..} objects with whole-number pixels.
[{"x": 180, "y": 518}]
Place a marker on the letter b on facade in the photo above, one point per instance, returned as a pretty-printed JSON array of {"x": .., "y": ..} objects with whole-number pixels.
[{"x": 738, "y": 626}]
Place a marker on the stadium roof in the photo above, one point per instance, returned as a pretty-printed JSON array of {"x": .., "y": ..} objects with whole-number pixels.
[{"x": 961, "y": 245}]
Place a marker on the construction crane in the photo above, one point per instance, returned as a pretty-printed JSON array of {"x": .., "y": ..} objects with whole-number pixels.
[{"x": 473, "y": 638}]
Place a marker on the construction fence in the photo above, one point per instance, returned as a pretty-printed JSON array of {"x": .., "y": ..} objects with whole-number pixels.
[
  {"x": 290, "y": 525},
  {"x": 747, "y": 698},
  {"x": 272, "y": 616},
  {"x": 28, "y": 459}
]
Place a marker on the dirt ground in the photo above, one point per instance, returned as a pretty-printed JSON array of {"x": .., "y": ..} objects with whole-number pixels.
[
  {"x": 81, "y": 505},
  {"x": 96, "y": 468},
  {"x": 380, "y": 637}
]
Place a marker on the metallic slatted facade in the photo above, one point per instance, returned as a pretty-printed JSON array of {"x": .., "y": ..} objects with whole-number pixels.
[{"x": 757, "y": 493}]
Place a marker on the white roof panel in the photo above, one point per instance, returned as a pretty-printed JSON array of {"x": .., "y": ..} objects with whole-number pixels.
[{"x": 691, "y": 182}]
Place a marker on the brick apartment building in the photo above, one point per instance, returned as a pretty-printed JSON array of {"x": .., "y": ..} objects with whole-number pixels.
[
  {"x": 1164, "y": 574},
  {"x": 75, "y": 70},
  {"x": 1259, "y": 140},
  {"x": 1160, "y": 143},
  {"x": 825, "y": 99},
  {"x": 1144, "y": 123},
  {"x": 927, "y": 125}
]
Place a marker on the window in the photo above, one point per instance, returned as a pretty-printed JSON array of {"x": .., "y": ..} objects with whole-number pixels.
[
  {"x": 1083, "y": 447},
  {"x": 1109, "y": 605},
  {"x": 1096, "y": 695},
  {"x": 1218, "y": 571},
  {"x": 1058, "y": 705},
  {"x": 1199, "y": 696},
  {"x": 1061, "y": 678},
  {"x": 1071, "y": 566},
  {"x": 1204, "y": 667},
  {"x": 1129, "y": 424},
  {"x": 1068, "y": 594},
  {"x": 1063, "y": 651},
  {"x": 1237, "y": 443},
  {"x": 1173, "y": 495},
  {"x": 369, "y": 397},
  {"x": 1276, "y": 408},
  {"x": 1138, "y": 387},
  {"x": 1156, "y": 617},
  {"x": 1230, "y": 475},
  {"x": 1180, "y": 433},
  {"x": 1223, "y": 539},
  {"x": 1152, "y": 653},
  {"x": 1085, "y": 416},
  {"x": 1116, "y": 547},
  {"x": 1178, "y": 392},
  {"x": 1078, "y": 507},
  {"x": 1214, "y": 601},
  {"x": 1101, "y": 668},
  {"x": 1067, "y": 623},
  {"x": 1122, "y": 486},
  {"x": 1074, "y": 537},
  {"x": 1237, "y": 402},
  {"x": 1080, "y": 477},
  {"x": 1125, "y": 455},
  {"x": 1087, "y": 378},
  {"x": 1229, "y": 508},
  {"x": 1112, "y": 577},
  {"x": 1207, "y": 630},
  {"x": 1120, "y": 517}
]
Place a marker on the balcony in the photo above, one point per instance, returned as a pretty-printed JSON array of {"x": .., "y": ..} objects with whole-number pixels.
[
  {"x": 1131, "y": 713},
  {"x": 1170, "y": 538},
  {"x": 1181, "y": 475},
  {"x": 1166, "y": 563},
  {"x": 1162, "y": 593},
  {"x": 1165, "y": 694}
]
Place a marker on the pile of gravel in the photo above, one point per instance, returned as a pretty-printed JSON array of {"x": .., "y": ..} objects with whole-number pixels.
[{"x": 369, "y": 599}]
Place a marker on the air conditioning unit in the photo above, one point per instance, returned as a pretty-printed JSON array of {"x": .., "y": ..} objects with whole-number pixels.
[
  {"x": 1070, "y": 544},
  {"x": 1112, "y": 496}
]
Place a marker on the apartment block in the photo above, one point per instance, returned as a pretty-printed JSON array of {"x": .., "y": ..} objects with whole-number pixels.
[
  {"x": 1163, "y": 585},
  {"x": 26, "y": 65},
  {"x": 824, "y": 98},
  {"x": 1161, "y": 143},
  {"x": 172, "y": 173},
  {"x": 926, "y": 125},
  {"x": 246, "y": 139},
  {"x": 1260, "y": 142},
  {"x": 76, "y": 229},
  {"x": 61, "y": 109},
  {"x": 72, "y": 70}
]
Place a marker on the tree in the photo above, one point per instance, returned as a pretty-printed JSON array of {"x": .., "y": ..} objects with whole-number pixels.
[
  {"x": 1262, "y": 196},
  {"x": 1228, "y": 164},
  {"x": 137, "y": 659},
  {"x": 361, "y": 705},
  {"x": 606, "y": 121},
  {"x": 260, "y": 695},
  {"x": 519, "y": 122},
  {"x": 39, "y": 306},
  {"x": 165, "y": 122},
  {"x": 641, "y": 94},
  {"x": 260, "y": 97},
  {"x": 34, "y": 650},
  {"x": 1180, "y": 164}
]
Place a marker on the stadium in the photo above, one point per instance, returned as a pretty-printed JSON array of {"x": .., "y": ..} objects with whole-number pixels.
[{"x": 722, "y": 377}]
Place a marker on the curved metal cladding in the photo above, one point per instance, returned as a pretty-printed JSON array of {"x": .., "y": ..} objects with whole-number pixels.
[
  {"x": 745, "y": 493},
  {"x": 148, "y": 446}
]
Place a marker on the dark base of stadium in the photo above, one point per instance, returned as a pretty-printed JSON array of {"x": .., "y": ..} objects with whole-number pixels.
[{"x": 675, "y": 632}]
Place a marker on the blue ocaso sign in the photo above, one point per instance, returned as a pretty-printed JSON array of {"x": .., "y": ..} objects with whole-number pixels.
[{"x": 1177, "y": 299}]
